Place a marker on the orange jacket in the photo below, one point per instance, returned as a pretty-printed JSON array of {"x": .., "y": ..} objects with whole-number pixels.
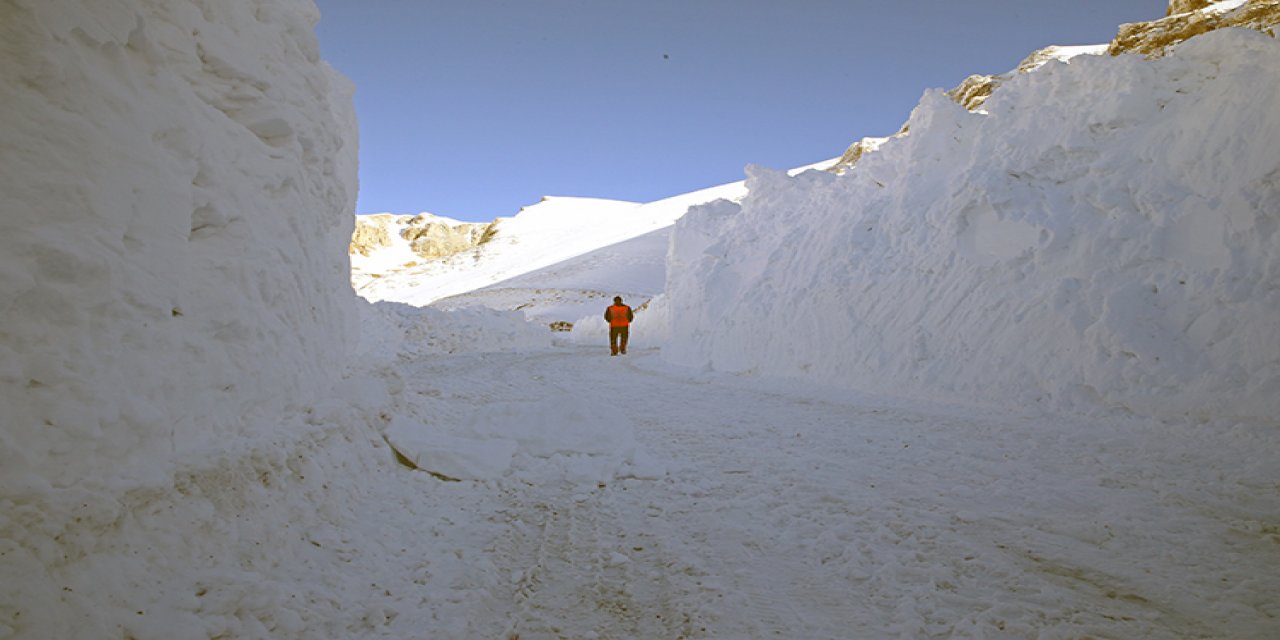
[{"x": 619, "y": 315}]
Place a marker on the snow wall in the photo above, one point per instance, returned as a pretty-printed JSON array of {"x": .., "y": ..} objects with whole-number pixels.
[
  {"x": 1103, "y": 235},
  {"x": 179, "y": 179}
]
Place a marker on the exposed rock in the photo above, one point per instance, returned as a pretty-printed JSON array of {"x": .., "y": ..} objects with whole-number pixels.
[
  {"x": 1190, "y": 18},
  {"x": 429, "y": 236},
  {"x": 1183, "y": 6},
  {"x": 371, "y": 233},
  {"x": 856, "y": 151},
  {"x": 970, "y": 94},
  {"x": 974, "y": 90}
]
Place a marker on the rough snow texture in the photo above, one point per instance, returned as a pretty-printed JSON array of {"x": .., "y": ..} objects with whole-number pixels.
[
  {"x": 394, "y": 330},
  {"x": 176, "y": 210},
  {"x": 974, "y": 91},
  {"x": 971, "y": 94},
  {"x": 1185, "y": 20},
  {"x": 864, "y": 146},
  {"x": 178, "y": 178},
  {"x": 1105, "y": 234}
]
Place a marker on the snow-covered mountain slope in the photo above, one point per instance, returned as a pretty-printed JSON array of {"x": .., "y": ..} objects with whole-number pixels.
[
  {"x": 581, "y": 286},
  {"x": 1103, "y": 233},
  {"x": 540, "y": 235},
  {"x": 556, "y": 261}
]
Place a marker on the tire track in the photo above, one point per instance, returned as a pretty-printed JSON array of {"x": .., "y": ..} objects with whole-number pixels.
[
  {"x": 818, "y": 516},
  {"x": 579, "y": 569}
]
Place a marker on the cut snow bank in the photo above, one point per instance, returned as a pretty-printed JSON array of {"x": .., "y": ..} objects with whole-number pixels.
[
  {"x": 178, "y": 183},
  {"x": 1105, "y": 234},
  {"x": 177, "y": 207}
]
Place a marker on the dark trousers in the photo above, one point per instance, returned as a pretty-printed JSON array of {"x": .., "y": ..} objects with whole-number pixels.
[{"x": 616, "y": 333}]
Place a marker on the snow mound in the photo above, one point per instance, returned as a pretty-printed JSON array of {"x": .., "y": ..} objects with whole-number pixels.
[{"x": 1104, "y": 234}]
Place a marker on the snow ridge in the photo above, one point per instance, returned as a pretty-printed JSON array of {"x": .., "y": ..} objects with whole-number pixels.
[{"x": 1104, "y": 235}]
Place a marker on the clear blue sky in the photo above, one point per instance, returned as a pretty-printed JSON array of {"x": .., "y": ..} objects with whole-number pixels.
[{"x": 475, "y": 108}]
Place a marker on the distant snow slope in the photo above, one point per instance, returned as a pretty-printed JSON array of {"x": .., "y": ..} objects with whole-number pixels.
[
  {"x": 540, "y": 235},
  {"x": 1104, "y": 234},
  {"x": 558, "y": 260}
]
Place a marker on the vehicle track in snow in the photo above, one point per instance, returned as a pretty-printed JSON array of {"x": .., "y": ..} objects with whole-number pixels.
[
  {"x": 580, "y": 570},
  {"x": 787, "y": 513}
]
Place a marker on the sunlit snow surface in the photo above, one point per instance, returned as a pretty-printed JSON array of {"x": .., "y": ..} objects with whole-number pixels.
[
  {"x": 1069, "y": 250},
  {"x": 198, "y": 444},
  {"x": 557, "y": 260}
]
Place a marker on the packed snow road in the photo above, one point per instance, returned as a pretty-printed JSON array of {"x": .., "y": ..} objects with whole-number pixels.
[{"x": 763, "y": 511}]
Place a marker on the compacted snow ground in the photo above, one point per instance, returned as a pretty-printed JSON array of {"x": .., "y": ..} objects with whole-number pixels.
[{"x": 764, "y": 509}]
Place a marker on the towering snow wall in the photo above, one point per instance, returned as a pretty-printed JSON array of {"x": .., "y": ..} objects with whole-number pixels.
[
  {"x": 1103, "y": 234},
  {"x": 178, "y": 182}
]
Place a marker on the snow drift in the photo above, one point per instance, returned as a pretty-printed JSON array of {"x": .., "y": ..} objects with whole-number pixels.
[{"x": 1104, "y": 233}]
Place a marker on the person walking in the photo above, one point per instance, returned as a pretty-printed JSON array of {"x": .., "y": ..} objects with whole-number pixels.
[{"x": 619, "y": 317}]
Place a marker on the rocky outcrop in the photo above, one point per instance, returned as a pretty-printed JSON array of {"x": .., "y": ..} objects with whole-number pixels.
[
  {"x": 371, "y": 234},
  {"x": 857, "y": 150},
  {"x": 971, "y": 94},
  {"x": 1183, "y": 6},
  {"x": 431, "y": 238},
  {"x": 1190, "y": 18},
  {"x": 974, "y": 90},
  {"x": 428, "y": 236}
]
